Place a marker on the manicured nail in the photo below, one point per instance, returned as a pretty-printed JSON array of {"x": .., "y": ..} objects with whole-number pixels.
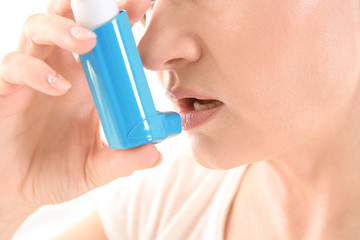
[
  {"x": 81, "y": 33},
  {"x": 57, "y": 81}
]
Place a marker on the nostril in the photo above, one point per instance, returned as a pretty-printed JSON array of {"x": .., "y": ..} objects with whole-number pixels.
[{"x": 172, "y": 62}]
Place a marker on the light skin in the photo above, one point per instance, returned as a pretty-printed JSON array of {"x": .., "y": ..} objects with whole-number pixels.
[
  {"x": 287, "y": 73},
  {"x": 51, "y": 149}
]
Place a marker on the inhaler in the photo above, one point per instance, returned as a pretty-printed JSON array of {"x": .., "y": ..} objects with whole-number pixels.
[{"x": 117, "y": 80}]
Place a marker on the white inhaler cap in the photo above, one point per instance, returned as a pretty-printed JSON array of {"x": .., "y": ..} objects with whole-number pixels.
[{"x": 93, "y": 13}]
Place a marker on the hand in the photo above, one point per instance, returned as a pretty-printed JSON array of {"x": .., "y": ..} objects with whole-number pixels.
[{"x": 50, "y": 144}]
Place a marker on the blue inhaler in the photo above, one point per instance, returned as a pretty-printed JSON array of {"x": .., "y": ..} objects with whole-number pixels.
[{"x": 117, "y": 80}]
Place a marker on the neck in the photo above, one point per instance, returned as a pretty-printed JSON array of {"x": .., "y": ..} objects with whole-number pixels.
[
  {"x": 310, "y": 192},
  {"x": 316, "y": 187}
]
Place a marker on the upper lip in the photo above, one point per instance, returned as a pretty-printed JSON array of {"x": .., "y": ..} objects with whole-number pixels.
[{"x": 177, "y": 94}]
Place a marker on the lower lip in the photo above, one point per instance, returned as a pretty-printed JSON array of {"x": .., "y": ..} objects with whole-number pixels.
[{"x": 193, "y": 119}]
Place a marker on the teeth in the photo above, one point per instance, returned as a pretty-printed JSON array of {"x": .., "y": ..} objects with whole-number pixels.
[{"x": 199, "y": 106}]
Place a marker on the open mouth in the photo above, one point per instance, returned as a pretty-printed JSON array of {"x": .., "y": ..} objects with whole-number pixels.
[
  {"x": 193, "y": 104},
  {"x": 195, "y": 112},
  {"x": 195, "y": 109},
  {"x": 205, "y": 104}
]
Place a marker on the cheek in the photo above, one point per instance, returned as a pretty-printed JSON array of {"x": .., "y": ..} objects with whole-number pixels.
[{"x": 283, "y": 80}]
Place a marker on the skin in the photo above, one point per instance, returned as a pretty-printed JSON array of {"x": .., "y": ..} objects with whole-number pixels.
[
  {"x": 291, "y": 99},
  {"x": 51, "y": 149},
  {"x": 288, "y": 75},
  {"x": 282, "y": 72}
]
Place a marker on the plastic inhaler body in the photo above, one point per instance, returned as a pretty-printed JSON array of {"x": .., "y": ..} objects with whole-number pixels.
[{"x": 120, "y": 90}]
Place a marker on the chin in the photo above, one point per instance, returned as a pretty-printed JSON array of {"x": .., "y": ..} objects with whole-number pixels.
[{"x": 215, "y": 154}]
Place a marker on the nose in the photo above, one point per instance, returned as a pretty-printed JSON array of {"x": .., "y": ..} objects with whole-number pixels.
[{"x": 169, "y": 42}]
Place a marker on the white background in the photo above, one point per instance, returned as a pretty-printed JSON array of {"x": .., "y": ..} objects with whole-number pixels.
[{"x": 51, "y": 220}]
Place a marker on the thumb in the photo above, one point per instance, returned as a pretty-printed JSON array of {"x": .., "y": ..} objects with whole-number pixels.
[{"x": 108, "y": 164}]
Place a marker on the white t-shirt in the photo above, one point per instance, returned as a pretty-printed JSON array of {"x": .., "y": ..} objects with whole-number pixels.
[{"x": 179, "y": 200}]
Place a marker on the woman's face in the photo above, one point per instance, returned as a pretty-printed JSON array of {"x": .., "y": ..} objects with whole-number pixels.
[{"x": 284, "y": 70}]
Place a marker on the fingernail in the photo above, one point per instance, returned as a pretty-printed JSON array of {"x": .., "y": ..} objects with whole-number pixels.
[
  {"x": 81, "y": 33},
  {"x": 159, "y": 160},
  {"x": 57, "y": 81}
]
